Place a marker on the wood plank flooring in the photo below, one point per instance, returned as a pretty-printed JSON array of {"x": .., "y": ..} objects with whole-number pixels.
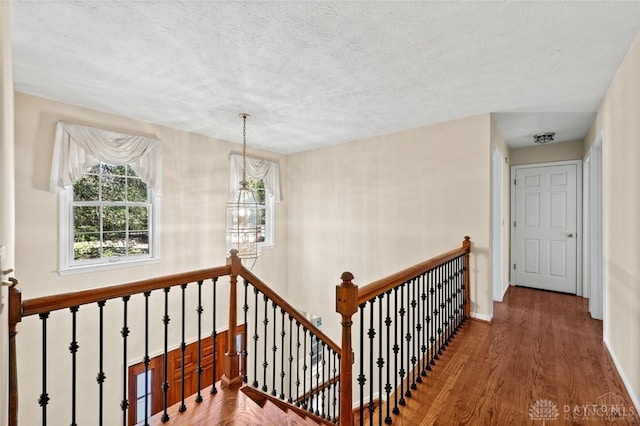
[{"x": 540, "y": 346}]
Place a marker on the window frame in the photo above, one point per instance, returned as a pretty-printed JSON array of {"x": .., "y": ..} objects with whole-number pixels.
[
  {"x": 67, "y": 263},
  {"x": 269, "y": 212}
]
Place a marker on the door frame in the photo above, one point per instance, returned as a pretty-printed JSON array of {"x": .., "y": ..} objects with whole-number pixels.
[
  {"x": 594, "y": 241},
  {"x": 497, "y": 223},
  {"x": 578, "y": 164}
]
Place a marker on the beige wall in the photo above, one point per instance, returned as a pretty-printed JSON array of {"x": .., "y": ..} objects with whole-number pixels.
[
  {"x": 375, "y": 206},
  {"x": 6, "y": 187},
  {"x": 195, "y": 189},
  {"x": 618, "y": 122},
  {"x": 560, "y": 151},
  {"x": 498, "y": 141}
]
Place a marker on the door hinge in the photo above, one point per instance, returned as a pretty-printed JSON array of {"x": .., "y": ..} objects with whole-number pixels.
[
  {"x": 514, "y": 182},
  {"x": 514, "y": 266},
  {"x": 514, "y": 223}
]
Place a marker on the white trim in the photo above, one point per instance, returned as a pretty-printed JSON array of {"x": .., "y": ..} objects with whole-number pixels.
[
  {"x": 586, "y": 226},
  {"x": 482, "y": 317},
  {"x": 506, "y": 288},
  {"x": 578, "y": 164},
  {"x": 623, "y": 376},
  {"x": 595, "y": 245},
  {"x": 66, "y": 266},
  {"x": 496, "y": 224}
]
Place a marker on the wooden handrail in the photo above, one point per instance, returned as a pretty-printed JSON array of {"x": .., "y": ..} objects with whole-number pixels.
[
  {"x": 274, "y": 297},
  {"x": 383, "y": 285},
  {"x": 318, "y": 389},
  {"x": 62, "y": 301}
]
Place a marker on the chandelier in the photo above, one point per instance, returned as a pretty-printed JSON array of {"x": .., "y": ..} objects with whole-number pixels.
[
  {"x": 544, "y": 138},
  {"x": 243, "y": 227}
]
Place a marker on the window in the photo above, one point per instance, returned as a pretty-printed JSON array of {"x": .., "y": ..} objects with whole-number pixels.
[
  {"x": 143, "y": 412},
  {"x": 263, "y": 179},
  {"x": 110, "y": 186},
  {"x": 265, "y": 211},
  {"x": 110, "y": 214}
]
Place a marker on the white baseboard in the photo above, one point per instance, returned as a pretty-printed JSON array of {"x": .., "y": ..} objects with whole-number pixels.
[
  {"x": 623, "y": 376},
  {"x": 481, "y": 317},
  {"x": 506, "y": 288}
]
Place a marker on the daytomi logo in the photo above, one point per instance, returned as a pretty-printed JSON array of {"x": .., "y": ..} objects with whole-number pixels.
[{"x": 544, "y": 410}]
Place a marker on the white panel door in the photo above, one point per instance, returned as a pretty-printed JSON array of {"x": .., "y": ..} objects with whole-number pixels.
[{"x": 546, "y": 221}]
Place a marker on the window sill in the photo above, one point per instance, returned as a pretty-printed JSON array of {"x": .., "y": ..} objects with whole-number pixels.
[{"x": 82, "y": 269}]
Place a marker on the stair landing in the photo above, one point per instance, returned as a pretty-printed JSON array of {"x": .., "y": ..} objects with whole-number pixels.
[{"x": 229, "y": 407}]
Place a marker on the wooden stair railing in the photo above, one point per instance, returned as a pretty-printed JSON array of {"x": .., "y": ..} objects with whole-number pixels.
[
  {"x": 293, "y": 337},
  {"x": 416, "y": 329},
  {"x": 234, "y": 372},
  {"x": 436, "y": 305}
]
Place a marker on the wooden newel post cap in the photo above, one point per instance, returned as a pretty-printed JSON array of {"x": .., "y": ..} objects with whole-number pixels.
[
  {"x": 346, "y": 295},
  {"x": 467, "y": 241},
  {"x": 347, "y": 278}
]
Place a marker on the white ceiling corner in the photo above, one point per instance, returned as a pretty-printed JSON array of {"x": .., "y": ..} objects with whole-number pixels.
[{"x": 318, "y": 73}]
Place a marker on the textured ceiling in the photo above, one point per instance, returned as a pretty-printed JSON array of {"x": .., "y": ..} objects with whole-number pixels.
[{"x": 322, "y": 73}]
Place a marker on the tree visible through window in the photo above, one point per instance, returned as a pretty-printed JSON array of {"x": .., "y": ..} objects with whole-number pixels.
[
  {"x": 111, "y": 213},
  {"x": 257, "y": 185}
]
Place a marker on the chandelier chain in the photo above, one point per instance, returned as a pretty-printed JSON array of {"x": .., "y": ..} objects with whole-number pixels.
[{"x": 244, "y": 148}]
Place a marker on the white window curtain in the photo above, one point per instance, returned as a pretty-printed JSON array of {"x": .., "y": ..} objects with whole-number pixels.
[
  {"x": 77, "y": 148},
  {"x": 268, "y": 171}
]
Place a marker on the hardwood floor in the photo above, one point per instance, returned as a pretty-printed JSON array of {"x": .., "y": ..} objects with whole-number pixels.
[{"x": 540, "y": 346}]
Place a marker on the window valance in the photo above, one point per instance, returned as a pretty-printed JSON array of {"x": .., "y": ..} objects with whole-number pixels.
[
  {"x": 268, "y": 171},
  {"x": 77, "y": 148}
]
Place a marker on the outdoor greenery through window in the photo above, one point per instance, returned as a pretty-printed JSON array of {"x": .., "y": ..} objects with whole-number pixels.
[
  {"x": 111, "y": 212},
  {"x": 257, "y": 185}
]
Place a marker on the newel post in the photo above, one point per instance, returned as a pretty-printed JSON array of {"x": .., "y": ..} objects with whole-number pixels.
[
  {"x": 466, "y": 244},
  {"x": 231, "y": 376},
  {"x": 15, "y": 316},
  {"x": 346, "y": 306}
]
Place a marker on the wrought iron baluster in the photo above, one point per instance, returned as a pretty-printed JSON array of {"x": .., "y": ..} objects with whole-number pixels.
[
  {"x": 336, "y": 383},
  {"x": 165, "y": 357},
  {"x": 450, "y": 302},
  {"x": 432, "y": 318},
  {"x": 44, "y": 396},
  {"x": 396, "y": 349},
  {"x": 425, "y": 325},
  {"x": 412, "y": 336},
  {"x": 441, "y": 306},
  {"x": 408, "y": 338},
  {"x": 256, "y": 336},
  {"x": 274, "y": 350},
  {"x": 146, "y": 360},
  {"x": 371, "y": 334},
  {"x": 199, "y": 370},
  {"x": 402, "y": 337},
  {"x": 361, "y": 377},
  {"x": 282, "y": 365},
  {"x": 244, "y": 353},
  {"x": 304, "y": 369},
  {"x": 265, "y": 363},
  {"x": 439, "y": 311},
  {"x": 290, "y": 400},
  {"x": 387, "y": 386},
  {"x": 323, "y": 412},
  {"x": 73, "y": 348},
  {"x": 183, "y": 348},
  {"x": 297, "y": 364},
  {"x": 124, "y": 332},
  {"x": 380, "y": 357},
  {"x": 100, "y": 378},
  {"x": 214, "y": 335}
]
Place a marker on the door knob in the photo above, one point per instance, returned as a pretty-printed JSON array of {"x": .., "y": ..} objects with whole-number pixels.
[{"x": 570, "y": 235}]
